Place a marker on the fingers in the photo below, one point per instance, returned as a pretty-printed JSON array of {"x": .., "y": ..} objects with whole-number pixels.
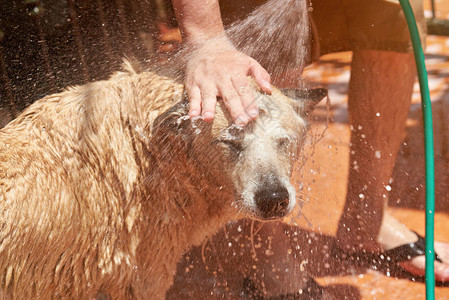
[
  {"x": 202, "y": 102},
  {"x": 194, "y": 95},
  {"x": 261, "y": 76},
  {"x": 237, "y": 96},
  {"x": 240, "y": 84},
  {"x": 224, "y": 73},
  {"x": 233, "y": 103},
  {"x": 209, "y": 97}
]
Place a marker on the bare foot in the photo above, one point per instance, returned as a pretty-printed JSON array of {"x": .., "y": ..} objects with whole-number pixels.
[{"x": 417, "y": 264}]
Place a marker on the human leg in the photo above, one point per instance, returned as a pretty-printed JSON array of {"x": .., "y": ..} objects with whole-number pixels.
[{"x": 379, "y": 97}]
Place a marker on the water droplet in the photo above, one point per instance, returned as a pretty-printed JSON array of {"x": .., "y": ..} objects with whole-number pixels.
[
  {"x": 388, "y": 188},
  {"x": 301, "y": 266},
  {"x": 310, "y": 9},
  {"x": 377, "y": 154},
  {"x": 243, "y": 90}
]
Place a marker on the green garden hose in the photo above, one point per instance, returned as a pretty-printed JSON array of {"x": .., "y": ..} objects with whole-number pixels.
[{"x": 428, "y": 142}]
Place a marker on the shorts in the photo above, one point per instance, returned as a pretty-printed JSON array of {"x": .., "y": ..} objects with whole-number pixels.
[{"x": 346, "y": 25}]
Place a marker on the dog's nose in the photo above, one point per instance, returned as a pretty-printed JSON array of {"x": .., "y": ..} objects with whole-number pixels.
[{"x": 272, "y": 203}]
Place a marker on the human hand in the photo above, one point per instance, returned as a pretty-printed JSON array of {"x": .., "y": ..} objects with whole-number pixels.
[{"x": 217, "y": 69}]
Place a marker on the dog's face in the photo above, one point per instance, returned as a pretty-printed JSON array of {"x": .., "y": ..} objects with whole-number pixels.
[{"x": 255, "y": 160}]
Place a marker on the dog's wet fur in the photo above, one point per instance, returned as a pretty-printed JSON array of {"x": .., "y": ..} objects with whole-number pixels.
[{"x": 105, "y": 185}]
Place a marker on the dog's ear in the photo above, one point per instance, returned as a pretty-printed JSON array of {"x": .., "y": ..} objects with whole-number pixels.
[
  {"x": 172, "y": 135},
  {"x": 173, "y": 120},
  {"x": 171, "y": 132},
  {"x": 172, "y": 128},
  {"x": 306, "y": 99}
]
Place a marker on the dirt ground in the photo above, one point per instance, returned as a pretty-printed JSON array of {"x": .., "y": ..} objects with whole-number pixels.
[{"x": 327, "y": 162}]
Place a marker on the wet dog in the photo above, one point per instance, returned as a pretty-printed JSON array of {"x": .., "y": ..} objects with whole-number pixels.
[{"x": 105, "y": 185}]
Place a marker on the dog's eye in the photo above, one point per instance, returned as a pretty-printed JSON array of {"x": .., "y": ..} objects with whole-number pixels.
[{"x": 283, "y": 142}]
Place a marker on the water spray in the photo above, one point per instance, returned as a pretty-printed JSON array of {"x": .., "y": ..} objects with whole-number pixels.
[{"x": 428, "y": 144}]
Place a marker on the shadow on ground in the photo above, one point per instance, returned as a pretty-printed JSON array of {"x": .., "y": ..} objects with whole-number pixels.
[{"x": 247, "y": 258}]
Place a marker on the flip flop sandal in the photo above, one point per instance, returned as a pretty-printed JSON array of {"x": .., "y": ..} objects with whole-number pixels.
[
  {"x": 388, "y": 260},
  {"x": 408, "y": 251},
  {"x": 395, "y": 255}
]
